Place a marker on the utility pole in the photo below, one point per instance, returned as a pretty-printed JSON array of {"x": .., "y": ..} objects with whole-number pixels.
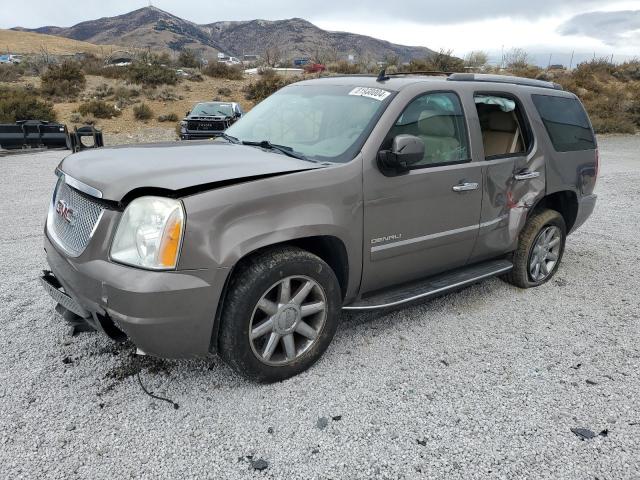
[
  {"x": 549, "y": 65},
  {"x": 571, "y": 62}
]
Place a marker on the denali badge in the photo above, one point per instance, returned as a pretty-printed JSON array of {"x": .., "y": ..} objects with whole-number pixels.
[
  {"x": 388, "y": 238},
  {"x": 64, "y": 211}
]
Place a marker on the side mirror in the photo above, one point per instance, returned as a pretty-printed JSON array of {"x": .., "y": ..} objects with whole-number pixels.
[
  {"x": 187, "y": 114},
  {"x": 406, "y": 150}
]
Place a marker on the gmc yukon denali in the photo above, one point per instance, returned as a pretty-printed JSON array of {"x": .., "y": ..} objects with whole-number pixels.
[{"x": 340, "y": 193}]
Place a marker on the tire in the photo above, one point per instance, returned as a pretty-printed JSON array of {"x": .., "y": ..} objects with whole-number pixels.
[
  {"x": 254, "y": 298},
  {"x": 541, "y": 223}
]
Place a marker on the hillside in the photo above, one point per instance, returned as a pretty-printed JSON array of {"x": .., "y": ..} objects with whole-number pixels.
[
  {"x": 22, "y": 42},
  {"x": 295, "y": 37},
  {"x": 157, "y": 29}
]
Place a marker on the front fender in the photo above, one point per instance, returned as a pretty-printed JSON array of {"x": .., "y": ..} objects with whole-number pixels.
[{"x": 226, "y": 224}]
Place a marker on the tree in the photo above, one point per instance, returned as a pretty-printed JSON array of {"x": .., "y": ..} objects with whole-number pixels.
[
  {"x": 188, "y": 59},
  {"x": 444, "y": 61},
  {"x": 272, "y": 56},
  {"x": 476, "y": 59},
  {"x": 516, "y": 59}
]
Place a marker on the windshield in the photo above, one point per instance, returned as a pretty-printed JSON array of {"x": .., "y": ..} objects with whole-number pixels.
[
  {"x": 212, "y": 109},
  {"x": 322, "y": 122}
]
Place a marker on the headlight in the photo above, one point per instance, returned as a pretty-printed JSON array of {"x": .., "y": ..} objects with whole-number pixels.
[{"x": 150, "y": 233}]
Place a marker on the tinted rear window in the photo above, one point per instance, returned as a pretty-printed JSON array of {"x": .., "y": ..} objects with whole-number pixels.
[{"x": 566, "y": 122}]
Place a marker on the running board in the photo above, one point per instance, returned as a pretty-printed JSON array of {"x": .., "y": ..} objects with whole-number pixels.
[{"x": 431, "y": 286}]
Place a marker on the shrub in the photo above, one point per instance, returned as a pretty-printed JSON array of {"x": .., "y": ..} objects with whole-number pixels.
[
  {"x": 188, "y": 59},
  {"x": 224, "y": 91},
  {"x": 124, "y": 96},
  {"x": 142, "y": 112},
  {"x": 64, "y": 80},
  {"x": 222, "y": 70},
  {"x": 10, "y": 72},
  {"x": 151, "y": 74},
  {"x": 99, "y": 109},
  {"x": 169, "y": 117},
  {"x": 162, "y": 95},
  {"x": 23, "y": 104},
  {"x": 344, "y": 67},
  {"x": 267, "y": 85},
  {"x": 195, "y": 77}
]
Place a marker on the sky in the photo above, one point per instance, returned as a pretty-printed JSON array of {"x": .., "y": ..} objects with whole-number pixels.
[{"x": 547, "y": 29}]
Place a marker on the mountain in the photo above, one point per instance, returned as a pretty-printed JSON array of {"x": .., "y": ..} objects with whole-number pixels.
[
  {"x": 154, "y": 28},
  {"x": 147, "y": 27},
  {"x": 38, "y": 43},
  {"x": 297, "y": 37}
]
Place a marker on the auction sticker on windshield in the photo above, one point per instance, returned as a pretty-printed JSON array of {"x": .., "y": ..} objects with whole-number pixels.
[{"x": 375, "y": 93}]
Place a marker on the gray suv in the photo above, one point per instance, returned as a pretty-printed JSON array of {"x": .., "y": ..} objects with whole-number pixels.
[{"x": 341, "y": 193}]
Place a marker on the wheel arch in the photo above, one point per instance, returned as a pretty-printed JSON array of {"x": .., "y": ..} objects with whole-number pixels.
[
  {"x": 565, "y": 202},
  {"x": 329, "y": 248}
]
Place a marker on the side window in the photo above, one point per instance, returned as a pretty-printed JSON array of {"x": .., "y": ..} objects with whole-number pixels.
[
  {"x": 502, "y": 125},
  {"x": 566, "y": 122},
  {"x": 437, "y": 119}
]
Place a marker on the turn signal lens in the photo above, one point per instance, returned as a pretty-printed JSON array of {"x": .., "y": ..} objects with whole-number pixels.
[{"x": 170, "y": 243}]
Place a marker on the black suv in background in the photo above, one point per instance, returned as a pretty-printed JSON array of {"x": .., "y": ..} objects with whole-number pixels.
[{"x": 209, "y": 119}]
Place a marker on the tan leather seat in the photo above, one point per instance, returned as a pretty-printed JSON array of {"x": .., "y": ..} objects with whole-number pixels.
[
  {"x": 502, "y": 135},
  {"x": 439, "y": 135}
]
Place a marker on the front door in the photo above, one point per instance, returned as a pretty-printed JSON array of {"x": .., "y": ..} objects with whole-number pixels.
[{"x": 426, "y": 221}]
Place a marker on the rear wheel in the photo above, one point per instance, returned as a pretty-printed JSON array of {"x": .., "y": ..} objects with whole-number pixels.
[
  {"x": 540, "y": 250},
  {"x": 280, "y": 314}
]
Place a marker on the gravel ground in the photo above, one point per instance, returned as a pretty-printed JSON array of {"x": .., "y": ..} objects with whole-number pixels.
[{"x": 483, "y": 383}]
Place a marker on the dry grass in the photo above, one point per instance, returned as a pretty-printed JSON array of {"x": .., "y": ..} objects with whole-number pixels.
[{"x": 28, "y": 42}]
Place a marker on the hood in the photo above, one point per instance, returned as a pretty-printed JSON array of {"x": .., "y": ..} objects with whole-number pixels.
[
  {"x": 207, "y": 117},
  {"x": 118, "y": 171}
]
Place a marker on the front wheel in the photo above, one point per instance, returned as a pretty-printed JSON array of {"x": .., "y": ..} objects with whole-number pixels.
[
  {"x": 540, "y": 250},
  {"x": 280, "y": 314}
]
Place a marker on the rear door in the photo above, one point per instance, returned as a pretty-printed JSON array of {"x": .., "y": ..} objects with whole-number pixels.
[
  {"x": 513, "y": 170},
  {"x": 425, "y": 221}
]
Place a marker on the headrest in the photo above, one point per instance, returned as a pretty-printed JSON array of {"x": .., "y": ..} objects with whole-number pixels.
[
  {"x": 502, "y": 122},
  {"x": 435, "y": 124}
]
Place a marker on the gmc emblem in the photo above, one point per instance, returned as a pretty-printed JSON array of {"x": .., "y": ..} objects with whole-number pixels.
[{"x": 64, "y": 211}]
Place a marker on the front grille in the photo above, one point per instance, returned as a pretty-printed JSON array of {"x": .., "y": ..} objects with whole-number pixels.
[
  {"x": 213, "y": 125},
  {"x": 72, "y": 218}
]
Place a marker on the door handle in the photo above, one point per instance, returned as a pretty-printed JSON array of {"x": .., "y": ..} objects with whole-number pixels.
[
  {"x": 465, "y": 187},
  {"x": 526, "y": 175}
]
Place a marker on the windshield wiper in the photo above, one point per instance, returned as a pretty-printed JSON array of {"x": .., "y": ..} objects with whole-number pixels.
[
  {"x": 230, "y": 138},
  {"x": 290, "y": 152}
]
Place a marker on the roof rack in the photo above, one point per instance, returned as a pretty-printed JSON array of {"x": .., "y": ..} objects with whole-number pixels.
[
  {"x": 483, "y": 77},
  {"x": 383, "y": 75}
]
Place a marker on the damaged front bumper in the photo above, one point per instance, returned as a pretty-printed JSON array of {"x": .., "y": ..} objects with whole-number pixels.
[{"x": 165, "y": 314}]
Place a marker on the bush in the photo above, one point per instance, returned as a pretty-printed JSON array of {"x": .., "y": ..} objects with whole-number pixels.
[
  {"x": 142, "y": 112},
  {"x": 344, "y": 68},
  {"x": 10, "y": 72},
  {"x": 22, "y": 104},
  {"x": 124, "y": 96},
  {"x": 195, "y": 77},
  {"x": 169, "y": 117},
  {"x": 64, "y": 80},
  {"x": 224, "y": 91},
  {"x": 151, "y": 75},
  {"x": 99, "y": 109},
  {"x": 188, "y": 59},
  {"x": 162, "y": 95},
  {"x": 266, "y": 85},
  {"x": 222, "y": 70}
]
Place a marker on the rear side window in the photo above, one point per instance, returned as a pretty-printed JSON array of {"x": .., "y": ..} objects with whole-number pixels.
[{"x": 566, "y": 122}]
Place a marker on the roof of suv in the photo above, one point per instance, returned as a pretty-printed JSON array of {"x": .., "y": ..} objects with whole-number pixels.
[{"x": 397, "y": 82}]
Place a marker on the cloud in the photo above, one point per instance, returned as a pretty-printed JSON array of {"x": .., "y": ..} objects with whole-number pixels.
[
  {"x": 432, "y": 12},
  {"x": 612, "y": 28}
]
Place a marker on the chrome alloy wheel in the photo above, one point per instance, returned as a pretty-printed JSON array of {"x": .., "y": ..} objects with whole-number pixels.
[
  {"x": 287, "y": 320},
  {"x": 545, "y": 253}
]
